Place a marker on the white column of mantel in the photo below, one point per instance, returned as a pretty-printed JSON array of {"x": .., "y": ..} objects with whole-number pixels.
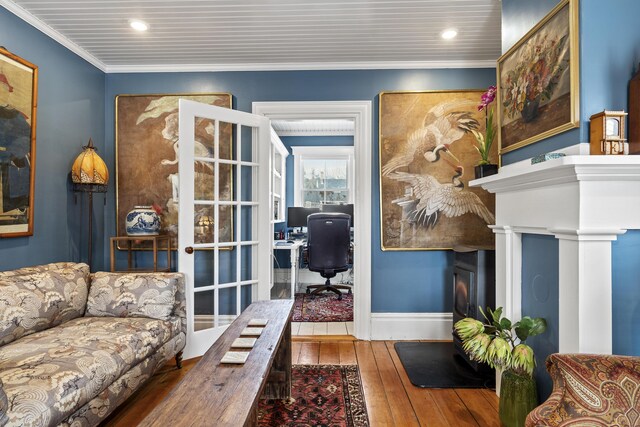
[
  {"x": 508, "y": 271},
  {"x": 585, "y": 301}
]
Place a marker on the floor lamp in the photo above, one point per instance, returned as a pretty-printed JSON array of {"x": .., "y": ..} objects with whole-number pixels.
[{"x": 89, "y": 174}]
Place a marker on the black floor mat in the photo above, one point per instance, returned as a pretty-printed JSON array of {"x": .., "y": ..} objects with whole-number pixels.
[{"x": 436, "y": 365}]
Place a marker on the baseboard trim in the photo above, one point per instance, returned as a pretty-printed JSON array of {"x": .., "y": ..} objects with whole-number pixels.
[{"x": 411, "y": 326}]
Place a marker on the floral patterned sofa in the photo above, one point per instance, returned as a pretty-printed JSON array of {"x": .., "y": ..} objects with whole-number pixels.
[
  {"x": 70, "y": 353},
  {"x": 591, "y": 391}
]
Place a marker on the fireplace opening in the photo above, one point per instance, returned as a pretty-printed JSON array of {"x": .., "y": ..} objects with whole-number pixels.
[{"x": 473, "y": 285}]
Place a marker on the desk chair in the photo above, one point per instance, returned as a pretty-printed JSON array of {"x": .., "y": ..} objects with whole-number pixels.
[{"x": 328, "y": 248}]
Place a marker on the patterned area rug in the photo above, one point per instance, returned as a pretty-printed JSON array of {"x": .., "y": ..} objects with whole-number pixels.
[
  {"x": 321, "y": 395},
  {"x": 323, "y": 308}
]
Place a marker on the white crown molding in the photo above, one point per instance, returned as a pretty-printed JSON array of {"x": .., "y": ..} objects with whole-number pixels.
[
  {"x": 46, "y": 29},
  {"x": 299, "y": 66},
  {"x": 313, "y": 127}
]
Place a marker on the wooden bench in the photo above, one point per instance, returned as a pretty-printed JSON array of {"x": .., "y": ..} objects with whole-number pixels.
[{"x": 215, "y": 394}]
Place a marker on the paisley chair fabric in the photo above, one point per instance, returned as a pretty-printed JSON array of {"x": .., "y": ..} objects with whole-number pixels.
[{"x": 591, "y": 391}]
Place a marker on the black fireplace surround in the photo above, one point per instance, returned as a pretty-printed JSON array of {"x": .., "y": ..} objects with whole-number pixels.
[{"x": 473, "y": 285}]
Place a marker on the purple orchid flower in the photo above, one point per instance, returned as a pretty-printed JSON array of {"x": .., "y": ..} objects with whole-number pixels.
[{"x": 487, "y": 98}]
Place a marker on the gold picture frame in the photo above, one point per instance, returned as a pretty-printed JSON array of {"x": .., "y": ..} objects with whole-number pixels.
[
  {"x": 538, "y": 81},
  {"x": 18, "y": 107},
  {"x": 413, "y": 162},
  {"x": 146, "y": 130}
]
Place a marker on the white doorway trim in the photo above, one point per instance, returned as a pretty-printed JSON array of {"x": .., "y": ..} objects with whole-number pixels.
[{"x": 360, "y": 113}]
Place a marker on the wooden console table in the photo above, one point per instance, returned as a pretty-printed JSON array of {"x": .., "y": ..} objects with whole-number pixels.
[
  {"x": 220, "y": 395},
  {"x": 155, "y": 240}
]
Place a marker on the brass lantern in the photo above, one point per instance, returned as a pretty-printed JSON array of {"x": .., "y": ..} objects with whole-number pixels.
[{"x": 89, "y": 168}]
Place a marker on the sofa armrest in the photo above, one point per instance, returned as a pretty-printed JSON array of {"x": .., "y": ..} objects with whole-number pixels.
[
  {"x": 4, "y": 406},
  {"x": 590, "y": 389},
  {"x": 180, "y": 305}
]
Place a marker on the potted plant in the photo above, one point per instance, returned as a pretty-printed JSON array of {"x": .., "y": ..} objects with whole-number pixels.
[
  {"x": 501, "y": 344},
  {"x": 485, "y": 141}
]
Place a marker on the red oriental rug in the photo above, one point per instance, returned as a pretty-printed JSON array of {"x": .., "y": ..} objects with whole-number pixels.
[
  {"x": 321, "y": 395},
  {"x": 325, "y": 307}
]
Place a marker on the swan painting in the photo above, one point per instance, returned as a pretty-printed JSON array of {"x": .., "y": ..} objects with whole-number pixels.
[
  {"x": 426, "y": 150},
  {"x": 147, "y": 157}
]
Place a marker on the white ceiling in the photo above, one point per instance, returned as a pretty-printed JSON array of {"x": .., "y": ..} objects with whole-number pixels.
[{"x": 205, "y": 35}]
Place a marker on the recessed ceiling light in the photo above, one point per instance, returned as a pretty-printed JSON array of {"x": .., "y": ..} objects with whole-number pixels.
[
  {"x": 449, "y": 33},
  {"x": 138, "y": 25}
]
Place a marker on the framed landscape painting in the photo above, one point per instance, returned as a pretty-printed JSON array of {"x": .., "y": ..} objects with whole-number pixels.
[
  {"x": 147, "y": 162},
  {"x": 427, "y": 157},
  {"x": 538, "y": 90},
  {"x": 18, "y": 103}
]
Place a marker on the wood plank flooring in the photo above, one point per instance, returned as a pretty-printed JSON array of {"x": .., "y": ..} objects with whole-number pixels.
[{"x": 391, "y": 398}]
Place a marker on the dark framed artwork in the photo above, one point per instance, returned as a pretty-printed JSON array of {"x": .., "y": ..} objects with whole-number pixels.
[
  {"x": 538, "y": 88},
  {"x": 18, "y": 105},
  {"x": 427, "y": 156},
  {"x": 147, "y": 162}
]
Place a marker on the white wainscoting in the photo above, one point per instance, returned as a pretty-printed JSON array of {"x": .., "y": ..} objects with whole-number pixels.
[{"x": 411, "y": 326}]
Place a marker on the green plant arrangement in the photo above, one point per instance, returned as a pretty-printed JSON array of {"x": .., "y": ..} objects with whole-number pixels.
[
  {"x": 501, "y": 344},
  {"x": 485, "y": 141}
]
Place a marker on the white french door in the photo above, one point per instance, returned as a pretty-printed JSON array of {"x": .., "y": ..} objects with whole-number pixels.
[{"x": 224, "y": 238}]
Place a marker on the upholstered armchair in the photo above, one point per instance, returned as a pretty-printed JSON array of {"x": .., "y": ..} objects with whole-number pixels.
[{"x": 591, "y": 390}]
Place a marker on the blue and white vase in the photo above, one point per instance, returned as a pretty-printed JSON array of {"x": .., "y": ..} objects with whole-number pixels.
[{"x": 143, "y": 221}]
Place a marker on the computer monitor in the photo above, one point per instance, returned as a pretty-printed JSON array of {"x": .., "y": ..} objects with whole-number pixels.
[
  {"x": 297, "y": 216},
  {"x": 348, "y": 209}
]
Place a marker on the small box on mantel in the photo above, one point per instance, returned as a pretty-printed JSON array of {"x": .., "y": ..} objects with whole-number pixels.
[
  {"x": 544, "y": 157},
  {"x": 606, "y": 133}
]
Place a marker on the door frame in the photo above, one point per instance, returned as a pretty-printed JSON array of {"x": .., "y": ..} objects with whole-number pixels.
[{"x": 360, "y": 112}]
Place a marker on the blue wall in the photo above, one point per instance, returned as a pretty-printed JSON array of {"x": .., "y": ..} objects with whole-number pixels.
[
  {"x": 607, "y": 59},
  {"x": 540, "y": 293},
  {"x": 70, "y": 111},
  {"x": 626, "y": 293},
  {"x": 518, "y": 17},
  {"x": 401, "y": 281}
]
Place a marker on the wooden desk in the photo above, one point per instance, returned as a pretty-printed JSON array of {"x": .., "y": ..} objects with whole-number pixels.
[
  {"x": 215, "y": 394},
  {"x": 294, "y": 257},
  {"x": 155, "y": 245}
]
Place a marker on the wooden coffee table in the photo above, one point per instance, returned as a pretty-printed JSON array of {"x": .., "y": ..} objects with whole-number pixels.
[{"x": 215, "y": 394}]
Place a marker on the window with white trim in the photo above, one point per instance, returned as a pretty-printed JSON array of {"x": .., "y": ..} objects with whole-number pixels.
[{"x": 323, "y": 175}]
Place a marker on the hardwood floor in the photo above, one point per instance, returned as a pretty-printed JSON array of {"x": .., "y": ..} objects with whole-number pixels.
[{"x": 391, "y": 398}]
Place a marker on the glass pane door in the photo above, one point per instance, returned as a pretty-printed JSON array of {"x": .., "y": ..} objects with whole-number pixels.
[{"x": 223, "y": 215}]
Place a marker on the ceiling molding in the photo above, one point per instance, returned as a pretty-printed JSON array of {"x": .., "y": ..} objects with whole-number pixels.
[
  {"x": 46, "y": 29},
  {"x": 300, "y": 66},
  {"x": 315, "y": 127}
]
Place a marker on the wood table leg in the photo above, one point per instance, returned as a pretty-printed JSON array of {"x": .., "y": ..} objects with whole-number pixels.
[{"x": 279, "y": 380}]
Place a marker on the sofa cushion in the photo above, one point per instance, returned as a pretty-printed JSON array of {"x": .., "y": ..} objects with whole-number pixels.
[
  {"x": 50, "y": 374},
  {"x": 42, "y": 268},
  {"x": 37, "y": 300},
  {"x": 132, "y": 295}
]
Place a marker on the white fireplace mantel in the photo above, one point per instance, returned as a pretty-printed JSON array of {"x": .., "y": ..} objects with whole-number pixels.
[{"x": 585, "y": 202}]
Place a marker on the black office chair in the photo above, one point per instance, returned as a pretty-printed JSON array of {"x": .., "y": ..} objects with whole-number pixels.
[{"x": 328, "y": 248}]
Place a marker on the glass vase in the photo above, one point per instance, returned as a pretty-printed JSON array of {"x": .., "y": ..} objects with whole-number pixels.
[{"x": 518, "y": 397}]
